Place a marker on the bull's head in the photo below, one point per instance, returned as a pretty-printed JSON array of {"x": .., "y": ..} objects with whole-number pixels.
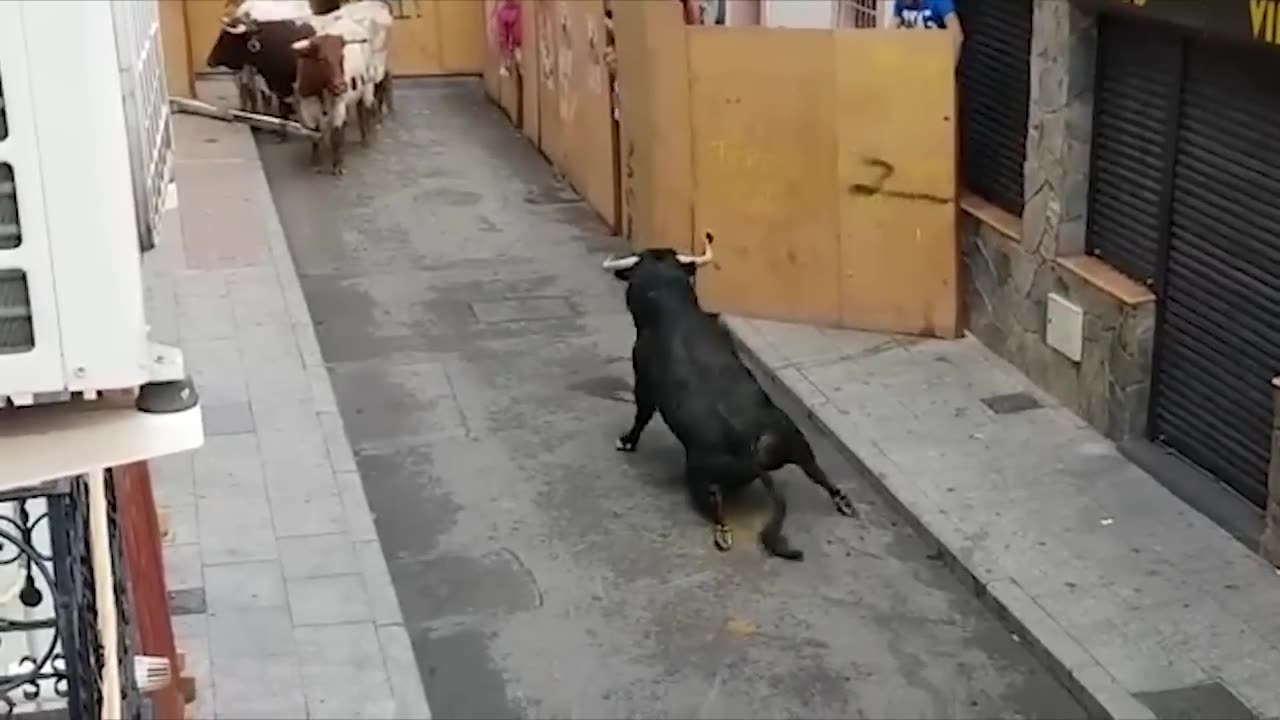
[
  {"x": 623, "y": 267},
  {"x": 320, "y": 65},
  {"x": 237, "y": 42}
]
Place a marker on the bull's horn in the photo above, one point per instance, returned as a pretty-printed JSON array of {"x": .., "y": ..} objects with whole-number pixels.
[
  {"x": 302, "y": 44},
  {"x": 706, "y": 257},
  {"x": 235, "y": 26},
  {"x": 622, "y": 263}
]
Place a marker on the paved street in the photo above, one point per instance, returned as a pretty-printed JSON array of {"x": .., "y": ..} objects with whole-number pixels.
[{"x": 479, "y": 359}]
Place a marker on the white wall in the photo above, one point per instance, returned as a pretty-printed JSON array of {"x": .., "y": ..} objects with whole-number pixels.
[{"x": 798, "y": 13}]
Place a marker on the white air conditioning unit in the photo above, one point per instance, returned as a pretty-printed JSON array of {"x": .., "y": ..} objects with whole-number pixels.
[{"x": 86, "y": 155}]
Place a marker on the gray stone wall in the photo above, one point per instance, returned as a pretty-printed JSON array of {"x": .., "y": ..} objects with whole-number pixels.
[
  {"x": 1009, "y": 279},
  {"x": 1270, "y": 546}
]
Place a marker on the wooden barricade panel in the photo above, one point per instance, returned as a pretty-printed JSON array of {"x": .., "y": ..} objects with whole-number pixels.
[
  {"x": 653, "y": 82},
  {"x": 530, "y": 72},
  {"x": 204, "y": 22},
  {"x": 764, "y": 163},
  {"x": 415, "y": 39},
  {"x": 491, "y": 58},
  {"x": 177, "y": 56},
  {"x": 895, "y": 100},
  {"x": 462, "y": 36},
  {"x": 550, "y": 127},
  {"x": 592, "y": 158}
]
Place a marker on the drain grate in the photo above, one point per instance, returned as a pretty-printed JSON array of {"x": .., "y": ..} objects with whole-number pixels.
[
  {"x": 189, "y": 601},
  {"x": 1209, "y": 701},
  {"x": 1011, "y": 403}
]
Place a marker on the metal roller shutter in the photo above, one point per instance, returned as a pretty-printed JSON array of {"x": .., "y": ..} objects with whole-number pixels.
[
  {"x": 994, "y": 68},
  {"x": 1135, "y": 106},
  {"x": 1219, "y": 344}
]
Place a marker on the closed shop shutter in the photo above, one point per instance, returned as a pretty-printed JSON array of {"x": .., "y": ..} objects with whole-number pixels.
[
  {"x": 993, "y": 97},
  {"x": 1219, "y": 344},
  {"x": 1135, "y": 100}
]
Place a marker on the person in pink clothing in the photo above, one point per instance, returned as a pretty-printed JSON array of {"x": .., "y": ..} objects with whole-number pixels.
[{"x": 506, "y": 30}]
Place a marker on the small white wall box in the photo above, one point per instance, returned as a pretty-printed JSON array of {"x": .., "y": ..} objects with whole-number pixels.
[
  {"x": 86, "y": 155},
  {"x": 1064, "y": 326}
]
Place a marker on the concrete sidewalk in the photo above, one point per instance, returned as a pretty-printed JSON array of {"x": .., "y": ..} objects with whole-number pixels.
[
  {"x": 1141, "y": 605},
  {"x": 279, "y": 590}
]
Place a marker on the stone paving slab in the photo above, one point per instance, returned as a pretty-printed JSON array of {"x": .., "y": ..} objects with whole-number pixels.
[
  {"x": 272, "y": 536},
  {"x": 1123, "y": 590}
]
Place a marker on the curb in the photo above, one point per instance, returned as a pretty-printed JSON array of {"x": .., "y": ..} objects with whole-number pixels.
[{"x": 1090, "y": 683}]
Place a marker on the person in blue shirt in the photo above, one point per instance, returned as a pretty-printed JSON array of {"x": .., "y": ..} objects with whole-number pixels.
[{"x": 930, "y": 15}]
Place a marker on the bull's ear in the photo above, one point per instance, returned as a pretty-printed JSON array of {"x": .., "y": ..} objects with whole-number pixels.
[{"x": 624, "y": 275}]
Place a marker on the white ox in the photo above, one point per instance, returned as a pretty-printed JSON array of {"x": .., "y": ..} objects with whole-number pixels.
[
  {"x": 375, "y": 20},
  {"x": 336, "y": 74}
]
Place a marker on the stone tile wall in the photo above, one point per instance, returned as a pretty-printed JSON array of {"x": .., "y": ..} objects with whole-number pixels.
[{"x": 1010, "y": 278}]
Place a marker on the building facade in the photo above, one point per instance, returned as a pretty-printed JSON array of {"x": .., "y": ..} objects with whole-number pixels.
[{"x": 1128, "y": 261}]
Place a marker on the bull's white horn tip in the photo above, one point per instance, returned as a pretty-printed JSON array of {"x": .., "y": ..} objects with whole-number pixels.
[
  {"x": 302, "y": 44},
  {"x": 709, "y": 237}
]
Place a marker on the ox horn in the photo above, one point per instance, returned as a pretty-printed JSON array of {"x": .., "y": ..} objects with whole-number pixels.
[
  {"x": 623, "y": 263},
  {"x": 235, "y": 26},
  {"x": 706, "y": 257}
]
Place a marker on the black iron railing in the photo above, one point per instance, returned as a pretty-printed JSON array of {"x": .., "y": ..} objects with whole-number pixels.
[{"x": 44, "y": 534}]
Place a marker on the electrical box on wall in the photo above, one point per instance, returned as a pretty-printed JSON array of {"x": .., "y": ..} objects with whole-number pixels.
[
  {"x": 1064, "y": 326},
  {"x": 86, "y": 152}
]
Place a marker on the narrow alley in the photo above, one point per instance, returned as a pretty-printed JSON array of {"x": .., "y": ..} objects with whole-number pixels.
[{"x": 480, "y": 360}]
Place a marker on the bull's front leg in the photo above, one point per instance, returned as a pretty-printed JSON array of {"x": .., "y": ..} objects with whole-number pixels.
[{"x": 646, "y": 404}]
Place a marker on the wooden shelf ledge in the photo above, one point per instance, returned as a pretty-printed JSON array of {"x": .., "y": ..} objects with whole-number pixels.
[
  {"x": 1106, "y": 278},
  {"x": 45, "y": 442},
  {"x": 1003, "y": 221}
]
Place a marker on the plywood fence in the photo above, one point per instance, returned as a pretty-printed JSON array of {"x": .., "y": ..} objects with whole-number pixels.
[
  {"x": 822, "y": 160},
  {"x": 563, "y": 102}
]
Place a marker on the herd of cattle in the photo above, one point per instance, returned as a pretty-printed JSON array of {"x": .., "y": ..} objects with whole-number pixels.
[
  {"x": 318, "y": 62},
  {"x": 321, "y": 62}
]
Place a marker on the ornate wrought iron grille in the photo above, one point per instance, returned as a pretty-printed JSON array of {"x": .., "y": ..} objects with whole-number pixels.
[{"x": 44, "y": 544}]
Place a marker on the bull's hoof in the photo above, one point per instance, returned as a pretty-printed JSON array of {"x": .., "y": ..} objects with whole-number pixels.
[
  {"x": 337, "y": 171},
  {"x": 779, "y": 547},
  {"x": 844, "y": 505},
  {"x": 723, "y": 537},
  {"x": 625, "y": 445}
]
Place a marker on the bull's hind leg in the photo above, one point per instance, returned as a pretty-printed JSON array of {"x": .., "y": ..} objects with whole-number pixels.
[
  {"x": 809, "y": 465},
  {"x": 771, "y": 536},
  {"x": 646, "y": 404},
  {"x": 710, "y": 502}
]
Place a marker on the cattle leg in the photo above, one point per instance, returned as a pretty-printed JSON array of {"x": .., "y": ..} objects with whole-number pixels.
[
  {"x": 771, "y": 536},
  {"x": 710, "y": 502},
  {"x": 386, "y": 94},
  {"x": 362, "y": 119},
  {"x": 315, "y": 154},
  {"x": 843, "y": 504},
  {"x": 335, "y": 147},
  {"x": 645, "y": 406}
]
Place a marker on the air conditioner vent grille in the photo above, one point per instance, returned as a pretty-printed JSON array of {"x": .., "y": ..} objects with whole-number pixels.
[
  {"x": 17, "y": 334},
  {"x": 10, "y": 228},
  {"x": 4, "y": 121}
]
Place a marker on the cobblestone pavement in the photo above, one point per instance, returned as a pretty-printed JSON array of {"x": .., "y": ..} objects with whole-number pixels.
[{"x": 480, "y": 364}]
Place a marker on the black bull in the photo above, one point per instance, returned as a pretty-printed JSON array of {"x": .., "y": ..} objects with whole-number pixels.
[{"x": 687, "y": 369}]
